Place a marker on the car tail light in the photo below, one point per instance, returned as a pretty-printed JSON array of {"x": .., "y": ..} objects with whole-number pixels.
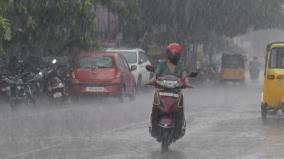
[
  {"x": 280, "y": 77},
  {"x": 270, "y": 77},
  {"x": 73, "y": 75},
  {"x": 117, "y": 76}
]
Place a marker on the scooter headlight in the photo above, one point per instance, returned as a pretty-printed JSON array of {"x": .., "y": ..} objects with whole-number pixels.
[{"x": 167, "y": 83}]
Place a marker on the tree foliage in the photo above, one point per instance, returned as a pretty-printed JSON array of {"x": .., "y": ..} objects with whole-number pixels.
[
  {"x": 52, "y": 26},
  {"x": 56, "y": 26}
]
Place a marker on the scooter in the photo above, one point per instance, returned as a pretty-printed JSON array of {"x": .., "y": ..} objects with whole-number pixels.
[
  {"x": 254, "y": 73},
  {"x": 168, "y": 123}
]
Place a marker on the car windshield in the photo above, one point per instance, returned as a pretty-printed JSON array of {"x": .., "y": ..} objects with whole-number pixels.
[
  {"x": 277, "y": 58},
  {"x": 130, "y": 56},
  {"x": 98, "y": 61}
]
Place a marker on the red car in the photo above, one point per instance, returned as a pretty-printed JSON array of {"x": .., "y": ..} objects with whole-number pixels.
[{"x": 102, "y": 73}]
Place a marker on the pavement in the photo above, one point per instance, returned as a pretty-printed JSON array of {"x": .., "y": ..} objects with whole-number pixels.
[{"x": 223, "y": 121}]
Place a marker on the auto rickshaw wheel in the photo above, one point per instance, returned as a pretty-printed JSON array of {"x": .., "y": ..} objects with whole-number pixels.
[
  {"x": 242, "y": 82},
  {"x": 263, "y": 111}
]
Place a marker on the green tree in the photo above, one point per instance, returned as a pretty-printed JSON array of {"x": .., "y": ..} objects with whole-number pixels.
[
  {"x": 49, "y": 26},
  {"x": 5, "y": 32}
]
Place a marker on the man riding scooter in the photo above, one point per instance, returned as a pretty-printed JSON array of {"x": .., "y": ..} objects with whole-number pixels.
[
  {"x": 254, "y": 66},
  {"x": 170, "y": 66}
]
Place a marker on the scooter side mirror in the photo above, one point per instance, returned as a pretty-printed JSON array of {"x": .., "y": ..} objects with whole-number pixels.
[
  {"x": 192, "y": 74},
  {"x": 150, "y": 68}
]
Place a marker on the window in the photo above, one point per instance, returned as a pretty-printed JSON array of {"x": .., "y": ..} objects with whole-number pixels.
[
  {"x": 145, "y": 57},
  {"x": 123, "y": 62},
  {"x": 233, "y": 61},
  {"x": 130, "y": 56},
  {"x": 142, "y": 57},
  {"x": 277, "y": 58},
  {"x": 99, "y": 61}
]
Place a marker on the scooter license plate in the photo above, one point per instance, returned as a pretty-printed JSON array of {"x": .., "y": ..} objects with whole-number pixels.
[
  {"x": 57, "y": 95},
  {"x": 95, "y": 89}
]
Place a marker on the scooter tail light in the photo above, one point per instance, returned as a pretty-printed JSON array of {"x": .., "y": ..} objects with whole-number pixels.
[
  {"x": 166, "y": 122},
  {"x": 270, "y": 77}
]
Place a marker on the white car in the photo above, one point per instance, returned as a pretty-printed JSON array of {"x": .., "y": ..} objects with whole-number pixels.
[{"x": 137, "y": 60}]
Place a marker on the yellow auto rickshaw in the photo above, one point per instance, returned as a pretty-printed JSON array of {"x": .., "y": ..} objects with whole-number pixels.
[
  {"x": 233, "y": 68},
  {"x": 273, "y": 88}
]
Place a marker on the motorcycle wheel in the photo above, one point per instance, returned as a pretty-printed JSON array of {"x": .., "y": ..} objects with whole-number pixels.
[
  {"x": 31, "y": 102},
  {"x": 56, "y": 102},
  {"x": 122, "y": 95},
  {"x": 13, "y": 103}
]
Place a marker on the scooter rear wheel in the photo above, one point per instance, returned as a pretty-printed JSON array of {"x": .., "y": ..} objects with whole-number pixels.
[{"x": 164, "y": 147}]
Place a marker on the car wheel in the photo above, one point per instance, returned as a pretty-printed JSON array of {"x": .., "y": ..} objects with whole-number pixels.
[
  {"x": 122, "y": 94},
  {"x": 139, "y": 82},
  {"x": 13, "y": 103},
  {"x": 263, "y": 111},
  {"x": 132, "y": 96},
  {"x": 242, "y": 82},
  {"x": 75, "y": 98}
]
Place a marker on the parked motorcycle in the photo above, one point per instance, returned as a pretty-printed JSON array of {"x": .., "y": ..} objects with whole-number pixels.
[
  {"x": 167, "y": 117},
  {"x": 54, "y": 86},
  {"x": 20, "y": 88}
]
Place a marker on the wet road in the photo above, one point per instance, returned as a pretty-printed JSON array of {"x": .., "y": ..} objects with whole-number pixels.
[{"x": 222, "y": 122}]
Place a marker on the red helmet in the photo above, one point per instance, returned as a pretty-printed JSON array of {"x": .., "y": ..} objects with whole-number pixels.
[
  {"x": 174, "y": 52},
  {"x": 174, "y": 48}
]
